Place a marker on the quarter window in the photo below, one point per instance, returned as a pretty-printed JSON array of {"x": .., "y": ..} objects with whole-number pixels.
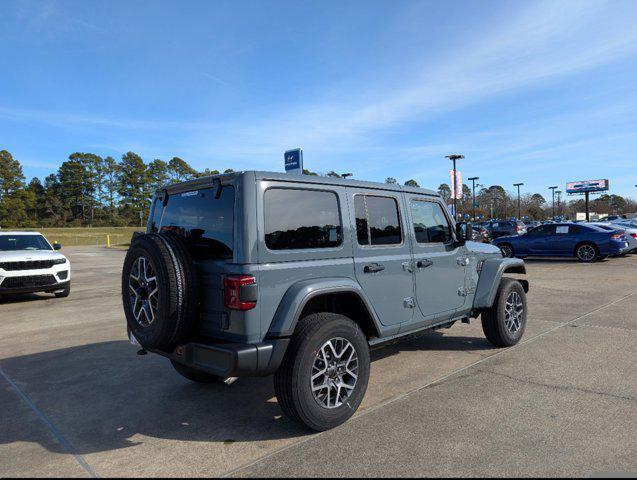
[
  {"x": 430, "y": 223},
  {"x": 297, "y": 219},
  {"x": 377, "y": 220}
]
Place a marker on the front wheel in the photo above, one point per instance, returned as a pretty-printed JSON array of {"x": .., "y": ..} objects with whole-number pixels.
[
  {"x": 586, "y": 252},
  {"x": 504, "y": 323},
  {"x": 324, "y": 375},
  {"x": 507, "y": 250}
]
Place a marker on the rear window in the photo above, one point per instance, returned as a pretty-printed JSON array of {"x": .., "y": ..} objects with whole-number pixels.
[
  {"x": 297, "y": 219},
  {"x": 206, "y": 222}
]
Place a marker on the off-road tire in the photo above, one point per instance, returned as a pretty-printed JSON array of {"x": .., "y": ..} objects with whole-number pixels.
[
  {"x": 177, "y": 290},
  {"x": 64, "y": 293},
  {"x": 292, "y": 381},
  {"x": 493, "y": 319},
  {"x": 195, "y": 375}
]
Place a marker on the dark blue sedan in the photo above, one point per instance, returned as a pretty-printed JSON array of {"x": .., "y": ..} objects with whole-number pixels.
[{"x": 585, "y": 242}]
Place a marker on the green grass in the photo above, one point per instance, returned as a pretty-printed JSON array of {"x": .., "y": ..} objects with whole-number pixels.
[{"x": 69, "y": 237}]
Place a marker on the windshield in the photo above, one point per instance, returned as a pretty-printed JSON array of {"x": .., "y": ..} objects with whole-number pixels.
[{"x": 23, "y": 242}]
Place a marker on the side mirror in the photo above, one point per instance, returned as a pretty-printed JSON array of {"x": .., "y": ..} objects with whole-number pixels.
[
  {"x": 463, "y": 232},
  {"x": 57, "y": 246}
]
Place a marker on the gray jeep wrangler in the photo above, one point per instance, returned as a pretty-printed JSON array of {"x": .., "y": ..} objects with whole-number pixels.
[{"x": 258, "y": 273}]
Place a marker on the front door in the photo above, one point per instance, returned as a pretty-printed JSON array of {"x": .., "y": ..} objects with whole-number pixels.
[
  {"x": 538, "y": 239},
  {"x": 382, "y": 256},
  {"x": 439, "y": 263}
]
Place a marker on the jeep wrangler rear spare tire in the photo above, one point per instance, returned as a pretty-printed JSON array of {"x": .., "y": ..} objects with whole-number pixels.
[
  {"x": 159, "y": 290},
  {"x": 324, "y": 375},
  {"x": 504, "y": 323}
]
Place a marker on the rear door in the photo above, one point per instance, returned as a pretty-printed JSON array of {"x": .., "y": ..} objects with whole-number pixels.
[
  {"x": 562, "y": 241},
  {"x": 439, "y": 263},
  {"x": 382, "y": 255}
]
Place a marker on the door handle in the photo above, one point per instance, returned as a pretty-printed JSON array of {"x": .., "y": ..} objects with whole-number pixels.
[
  {"x": 424, "y": 263},
  {"x": 373, "y": 268}
]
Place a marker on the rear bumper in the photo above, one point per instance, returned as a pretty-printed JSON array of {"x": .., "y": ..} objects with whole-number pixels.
[{"x": 231, "y": 359}]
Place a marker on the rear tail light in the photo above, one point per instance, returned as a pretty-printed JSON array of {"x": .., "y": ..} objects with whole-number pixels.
[
  {"x": 240, "y": 292},
  {"x": 617, "y": 236},
  {"x": 634, "y": 235}
]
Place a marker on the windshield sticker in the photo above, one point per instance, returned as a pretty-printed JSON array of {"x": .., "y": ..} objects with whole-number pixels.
[
  {"x": 190, "y": 194},
  {"x": 562, "y": 229}
]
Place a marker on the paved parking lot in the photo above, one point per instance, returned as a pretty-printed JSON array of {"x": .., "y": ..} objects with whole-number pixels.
[{"x": 75, "y": 400}]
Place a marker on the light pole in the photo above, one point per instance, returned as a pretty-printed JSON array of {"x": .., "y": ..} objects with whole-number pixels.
[
  {"x": 559, "y": 203},
  {"x": 519, "y": 210},
  {"x": 553, "y": 189},
  {"x": 473, "y": 195},
  {"x": 455, "y": 158}
]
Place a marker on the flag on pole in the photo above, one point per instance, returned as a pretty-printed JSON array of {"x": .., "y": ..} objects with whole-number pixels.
[{"x": 457, "y": 192}]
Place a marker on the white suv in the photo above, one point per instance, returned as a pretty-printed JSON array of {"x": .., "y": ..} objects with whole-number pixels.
[{"x": 29, "y": 263}]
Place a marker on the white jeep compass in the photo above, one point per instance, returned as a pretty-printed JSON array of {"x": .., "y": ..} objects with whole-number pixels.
[{"x": 28, "y": 264}]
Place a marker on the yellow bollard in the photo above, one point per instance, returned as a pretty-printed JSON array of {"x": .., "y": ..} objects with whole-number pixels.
[{"x": 108, "y": 241}]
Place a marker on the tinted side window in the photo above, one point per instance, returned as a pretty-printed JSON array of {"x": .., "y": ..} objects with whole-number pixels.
[
  {"x": 362, "y": 226},
  {"x": 430, "y": 222},
  {"x": 377, "y": 220},
  {"x": 156, "y": 212},
  {"x": 206, "y": 222},
  {"x": 296, "y": 219}
]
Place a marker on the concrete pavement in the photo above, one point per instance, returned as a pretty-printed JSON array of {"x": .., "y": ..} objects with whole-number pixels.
[{"x": 77, "y": 401}]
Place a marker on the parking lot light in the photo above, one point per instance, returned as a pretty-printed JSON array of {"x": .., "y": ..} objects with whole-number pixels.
[
  {"x": 519, "y": 210},
  {"x": 553, "y": 191},
  {"x": 473, "y": 194}
]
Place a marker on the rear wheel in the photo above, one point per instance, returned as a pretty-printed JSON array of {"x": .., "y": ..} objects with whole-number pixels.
[
  {"x": 507, "y": 250},
  {"x": 324, "y": 375},
  {"x": 504, "y": 323},
  {"x": 586, "y": 252}
]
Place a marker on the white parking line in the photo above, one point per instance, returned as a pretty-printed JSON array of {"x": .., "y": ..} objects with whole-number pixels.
[{"x": 54, "y": 431}]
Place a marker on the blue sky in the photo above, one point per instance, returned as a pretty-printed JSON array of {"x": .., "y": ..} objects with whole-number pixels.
[{"x": 538, "y": 92}]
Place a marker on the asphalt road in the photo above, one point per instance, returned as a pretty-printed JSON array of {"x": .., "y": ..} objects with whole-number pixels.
[{"x": 75, "y": 400}]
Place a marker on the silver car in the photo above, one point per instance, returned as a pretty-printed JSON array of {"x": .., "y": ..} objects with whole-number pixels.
[{"x": 631, "y": 234}]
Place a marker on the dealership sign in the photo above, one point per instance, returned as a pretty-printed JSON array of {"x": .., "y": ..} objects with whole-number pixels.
[
  {"x": 587, "y": 186},
  {"x": 294, "y": 161}
]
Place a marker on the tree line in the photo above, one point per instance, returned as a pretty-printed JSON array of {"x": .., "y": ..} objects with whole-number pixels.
[
  {"x": 87, "y": 190},
  {"x": 90, "y": 190},
  {"x": 496, "y": 202}
]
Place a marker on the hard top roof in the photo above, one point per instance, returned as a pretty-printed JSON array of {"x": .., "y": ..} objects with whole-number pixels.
[{"x": 311, "y": 179}]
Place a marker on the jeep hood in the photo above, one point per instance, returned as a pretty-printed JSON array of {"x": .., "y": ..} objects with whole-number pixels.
[
  {"x": 23, "y": 255},
  {"x": 482, "y": 249}
]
